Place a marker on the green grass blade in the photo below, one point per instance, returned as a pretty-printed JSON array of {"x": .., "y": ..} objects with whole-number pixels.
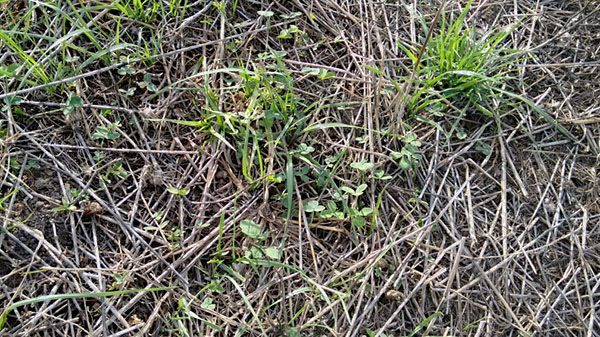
[
  {"x": 424, "y": 323},
  {"x": 541, "y": 112},
  {"x": 248, "y": 304},
  {"x": 70, "y": 296},
  {"x": 379, "y": 72}
]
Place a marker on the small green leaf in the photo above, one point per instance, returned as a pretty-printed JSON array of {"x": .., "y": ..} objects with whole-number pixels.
[
  {"x": 275, "y": 178},
  {"x": 409, "y": 138},
  {"x": 266, "y": 14},
  {"x": 313, "y": 206},
  {"x": 359, "y": 221},
  {"x": 405, "y": 164},
  {"x": 324, "y": 74},
  {"x": 72, "y": 102},
  {"x": 284, "y": 34},
  {"x": 208, "y": 304},
  {"x": 254, "y": 252},
  {"x": 103, "y": 132},
  {"x": 380, "y": 174},
  {"x": 12, "y": 100},
  {"x": 305, "y": 149},
  {"x": 294, "y": 29},
  {"x": 272, "y": 253},
  {"x": 461, "y": 134},
  {"x": 326, "y": 214},
  {"x": 215, "y": 286},
  {"x": 183, "y": 191},
  {"x": 363, "y": 165},
  {"x": 65, "y": 207},
  {"x": 31, "y": 164},
  {"x": 362, "y": 140},
  {"x": 366, "y": 211},
  {"x": 360, "y": 189},
  {"x": 396, "y": 155},
  {"x": 311, "y": 71},
  {"x": 320, "y": 72},
  {"x": 126, "y": 71},
  {"x": 348, "y": 190},
  {"x": 99, "y": 155},
  {"x": 339, "y": 197},
  {"x": 75, "y": 101},
  {"x": 250, "y": 228},
  {"x": 484, "y": 148},
  {"x": 128, "y": 92}
]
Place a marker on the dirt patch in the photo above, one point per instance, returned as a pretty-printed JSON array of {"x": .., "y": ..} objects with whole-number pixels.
[{"x": 24, "y": 247}]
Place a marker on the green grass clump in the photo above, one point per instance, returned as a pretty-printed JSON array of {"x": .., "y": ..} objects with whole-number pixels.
[
  {"x": 49, "y": 41},
  {"x": 461, "y": 68}
]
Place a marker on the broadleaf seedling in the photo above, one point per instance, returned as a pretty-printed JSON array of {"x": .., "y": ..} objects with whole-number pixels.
[
  {"x": 66, "y": 206},
  {"x": 355, "y": 192},
  {"x": 73, "y": 102},
  {"x": 362, "y": 165},
  {"x": 312, "y": 206},
  {"x": 252, "y": 229},
  {"x": 380, "y": 174},
  {"x": 106, "y": 132},
  {"x": 484, "y": 148},
  {"x": 409, "y": 155},
  {"x": 126, "y": 70},
  {"x": 332, "y": 211}
]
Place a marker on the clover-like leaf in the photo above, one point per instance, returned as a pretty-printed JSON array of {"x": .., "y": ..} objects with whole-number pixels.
[
  {"x": 380, "y": 174},
  {"x": 311, "y": 71},
  {"x": 312, "y": 206},
  {"x": 484, "y": 148},
  {"x": 366, "y": 211},
  {"x": 359, "y": 221},
  {"x": 12, "y": 100},
  {"x": 126, "y": 71},
  {"x": 338, "y": 196},
  {"x": 348, "y": 190},
  {"x": 358, "y": 192},
  {"x": 305, "y": 149},
  {"x": 75, "y": 101},
  {"x": 72, "y": 102},
  {"x": 284, "y": 34},
  {"x": 266, "y": 14},
  {"x": 208, "y": 304},
  {"x": 103, "y": 132},
  {"x": 396, "y": 155},
  {"x": 405, "y": 164},
  {"x": 360, "y": 189},
  {"x": 362, "y": 166},
  {"x": 254, "y": 252}
]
